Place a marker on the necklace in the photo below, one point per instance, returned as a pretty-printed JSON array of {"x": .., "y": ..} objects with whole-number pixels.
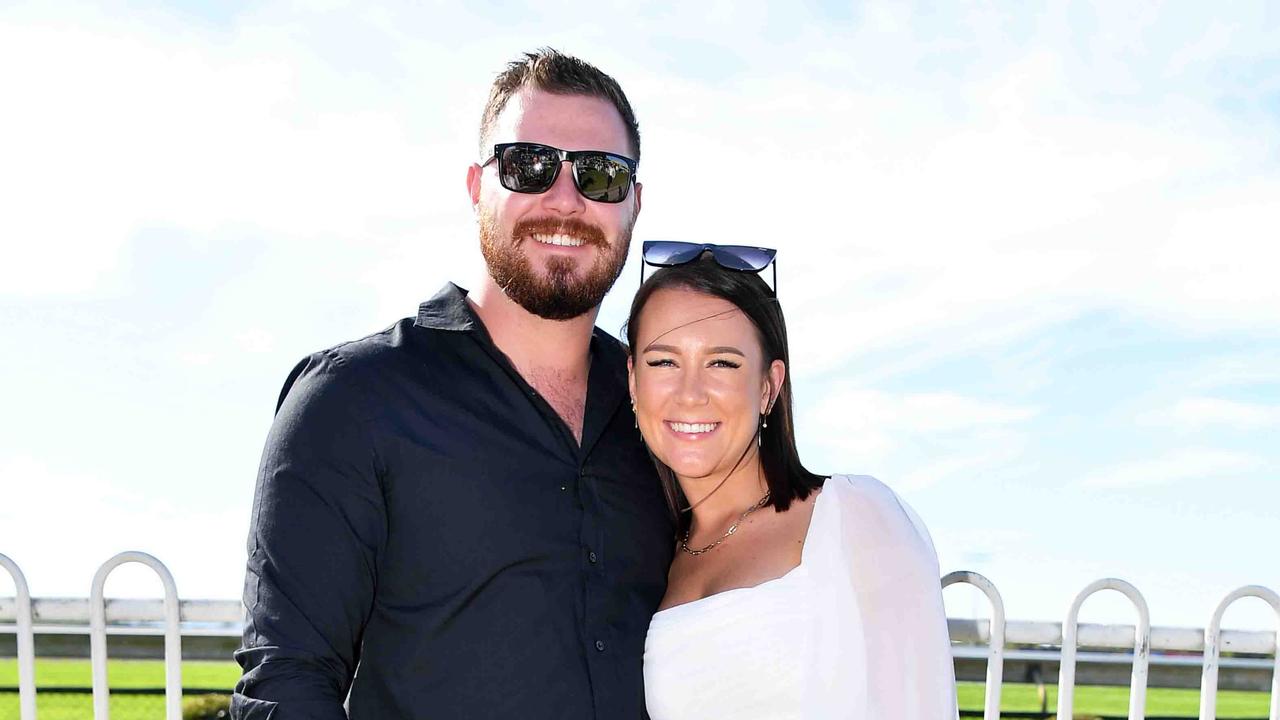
[{"x": 684, "y": 542}]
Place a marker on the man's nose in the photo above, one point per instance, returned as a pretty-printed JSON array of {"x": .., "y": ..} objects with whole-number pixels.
[{"x": 563, "y": 196}]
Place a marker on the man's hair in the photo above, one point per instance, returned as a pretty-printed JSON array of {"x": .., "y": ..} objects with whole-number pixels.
[{"x": 552, "y": 71}]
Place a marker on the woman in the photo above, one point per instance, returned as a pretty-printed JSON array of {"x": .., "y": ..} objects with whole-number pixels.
[{"x": 791, "y": 595}]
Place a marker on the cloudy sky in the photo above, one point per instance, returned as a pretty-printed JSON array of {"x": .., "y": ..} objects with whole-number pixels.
[{"x": 1028, "y": 255}]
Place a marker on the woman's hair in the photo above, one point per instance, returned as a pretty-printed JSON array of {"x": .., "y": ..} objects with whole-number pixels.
[{"x": 787, "y": 478}]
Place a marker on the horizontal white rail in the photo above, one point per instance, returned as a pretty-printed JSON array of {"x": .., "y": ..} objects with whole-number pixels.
[
  {"x": 1119, "y": 637},
  {"x": 55, "y": 611},
  {"x": 70, "y": 616}
]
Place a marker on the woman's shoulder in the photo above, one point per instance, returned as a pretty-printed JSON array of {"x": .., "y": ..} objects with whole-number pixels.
[
  {"x": 871, "y": 505},
  {"x": 861, "y": 490}
]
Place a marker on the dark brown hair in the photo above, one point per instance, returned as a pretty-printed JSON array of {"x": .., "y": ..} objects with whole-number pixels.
[
  {"x": 786, "y": 476},
  {"x": 552, "y": 71}
]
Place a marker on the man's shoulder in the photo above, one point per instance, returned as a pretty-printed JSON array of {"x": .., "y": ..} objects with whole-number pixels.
[
  {"x": 372, "y": 350},
  {"x": 339, "y": 368}
]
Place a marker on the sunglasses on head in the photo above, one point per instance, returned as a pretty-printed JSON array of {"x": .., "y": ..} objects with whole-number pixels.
[
  {"x": 742, "y": 258},
  {"x": 533, "y": 168}
]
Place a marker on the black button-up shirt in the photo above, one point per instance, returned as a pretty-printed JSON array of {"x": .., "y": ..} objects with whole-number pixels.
[{"x": 428, "y": 534}]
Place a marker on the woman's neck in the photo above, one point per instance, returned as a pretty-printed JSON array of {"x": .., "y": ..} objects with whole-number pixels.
[{"x": 718, "y": 501}]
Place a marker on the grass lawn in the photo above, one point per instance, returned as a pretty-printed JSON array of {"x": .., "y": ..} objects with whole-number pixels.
[
  {"x": 51, "y": 674},
  {"x": 1115, "y": 700},
  {"x": 150, "y": 674}
]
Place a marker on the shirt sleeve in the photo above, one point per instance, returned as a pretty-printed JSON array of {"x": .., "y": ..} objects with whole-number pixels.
[
  {"x": 314, "y": 540},
  {"x": 910, "y": 672}
]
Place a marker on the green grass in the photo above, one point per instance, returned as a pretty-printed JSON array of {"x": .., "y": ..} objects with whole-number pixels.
[
  {"x": 150, "y": 674},
  {"x": 123, "y": 674},
  {"x": 52, "y": 674},
  {"x": 1115, "y": 700}
]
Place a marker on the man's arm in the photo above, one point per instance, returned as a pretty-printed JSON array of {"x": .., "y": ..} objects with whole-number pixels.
[{"x": 317, "y": 529}]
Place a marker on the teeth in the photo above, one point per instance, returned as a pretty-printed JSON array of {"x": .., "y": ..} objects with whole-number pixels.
[
  {"x": 562, "y": 240},
  {"x": 693, "y": 427}
]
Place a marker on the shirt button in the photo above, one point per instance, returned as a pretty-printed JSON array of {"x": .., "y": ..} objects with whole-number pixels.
[
  {"x": 592, "y": 557},
  {"x": 600, "y": 645}
]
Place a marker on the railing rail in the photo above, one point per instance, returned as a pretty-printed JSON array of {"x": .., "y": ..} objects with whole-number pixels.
[
  {"x": 997, "y": 640},
  {"x": 1214, "y": 640},
  {"x": 26, "y": 640},
  {"x": 1141, "y": 649}
]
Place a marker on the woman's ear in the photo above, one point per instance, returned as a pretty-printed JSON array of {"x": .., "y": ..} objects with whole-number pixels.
[
  {"x": 773, "y": 385},
  {"x": 631, "y": 378}
]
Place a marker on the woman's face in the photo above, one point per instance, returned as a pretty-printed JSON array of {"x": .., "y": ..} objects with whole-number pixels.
[{"x": 700, "y": 382}]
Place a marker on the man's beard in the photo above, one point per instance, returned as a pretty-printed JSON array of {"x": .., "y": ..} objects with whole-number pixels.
[{"x": 564, "y": 293}]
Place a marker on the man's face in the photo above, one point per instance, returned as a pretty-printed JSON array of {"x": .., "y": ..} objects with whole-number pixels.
[{"x": 555, "y": 253}]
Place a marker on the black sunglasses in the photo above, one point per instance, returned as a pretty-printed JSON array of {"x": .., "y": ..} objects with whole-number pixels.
[
  {"x": 742, "y": 258},
  {"x": 532, "y": 168}
]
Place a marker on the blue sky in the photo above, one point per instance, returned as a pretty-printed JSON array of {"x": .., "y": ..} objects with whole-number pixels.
[{"x": 1027, "y": 253}]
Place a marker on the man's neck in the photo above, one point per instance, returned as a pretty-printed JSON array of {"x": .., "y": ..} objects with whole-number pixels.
[{"x": 534, "y": 343}]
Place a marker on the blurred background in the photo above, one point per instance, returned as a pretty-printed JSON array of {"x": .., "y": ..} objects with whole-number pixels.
[{"x": 1028, "y": 253}]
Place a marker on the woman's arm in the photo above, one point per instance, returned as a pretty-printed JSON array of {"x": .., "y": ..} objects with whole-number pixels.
[{"x": 910, "y": 675}]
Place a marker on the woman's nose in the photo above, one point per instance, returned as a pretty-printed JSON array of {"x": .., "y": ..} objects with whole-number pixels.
[{"x": 693, "y": 389}]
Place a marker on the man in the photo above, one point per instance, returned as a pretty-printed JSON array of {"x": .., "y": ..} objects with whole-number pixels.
[{"x": 455, "y": 517}]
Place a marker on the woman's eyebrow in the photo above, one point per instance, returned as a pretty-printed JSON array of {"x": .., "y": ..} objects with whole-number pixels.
[
  {"x": 661, "y": 348},
  {"x": 718, "y": 350}
]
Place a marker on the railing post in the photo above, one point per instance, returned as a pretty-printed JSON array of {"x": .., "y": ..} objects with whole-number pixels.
[
  {"x": 98, "y": 636},
  {"x": 995, "y": 655},
  {"x": 1213, "y": 649},
  {"x": 1141, "y": 648},
  {"x": 26, "y": 641}
]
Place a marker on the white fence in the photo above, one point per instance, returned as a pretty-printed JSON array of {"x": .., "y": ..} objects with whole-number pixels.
[{"x": 987, "y": 640}]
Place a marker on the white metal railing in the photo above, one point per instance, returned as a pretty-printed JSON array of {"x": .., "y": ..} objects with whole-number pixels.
[
  {"x": 26, "y": 641},
  {"x": 98, "y": 636},
  {"x": 1213, "y": 648},
  {"x": 173, "y": 618},
  {"x": 995, "y": 652},
  {"x": 1141, "y": 649}
]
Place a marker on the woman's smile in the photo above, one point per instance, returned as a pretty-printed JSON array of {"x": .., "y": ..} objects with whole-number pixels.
[{"x": 691, "y": 430}]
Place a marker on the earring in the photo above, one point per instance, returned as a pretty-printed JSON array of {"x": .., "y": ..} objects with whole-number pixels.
[{"x": 635, "y": 417}]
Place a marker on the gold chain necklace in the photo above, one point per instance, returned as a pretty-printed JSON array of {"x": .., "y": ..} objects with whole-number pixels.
[{"x": 684, "y": 543}]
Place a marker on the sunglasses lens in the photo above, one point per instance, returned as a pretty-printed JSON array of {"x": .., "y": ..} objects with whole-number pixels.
[
  {"x": 666, "y": 253},
  {"x": 741, "y": 257},
  {"x": 602, "y": 177},
  {"x": 528, "y": 168}
]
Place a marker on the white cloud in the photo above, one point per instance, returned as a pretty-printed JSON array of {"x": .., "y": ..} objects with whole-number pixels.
[
  {"x": 946, "y": 435},
  {"x": 123, "y": 129},
  {"x": 1175, "y": 466},
  {"x": 60, "y": 524},
  {"x": 1196, "y": 413}
]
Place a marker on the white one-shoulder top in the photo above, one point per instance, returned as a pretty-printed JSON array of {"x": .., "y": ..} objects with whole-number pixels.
[{"x": 856, "y": 631}]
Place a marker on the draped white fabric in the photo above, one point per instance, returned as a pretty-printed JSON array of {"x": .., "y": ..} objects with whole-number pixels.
[{"x": 856, "y": 632}]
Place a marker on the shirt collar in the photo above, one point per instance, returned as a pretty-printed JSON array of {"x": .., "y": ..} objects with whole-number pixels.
[{"x": 448, "y": 310}]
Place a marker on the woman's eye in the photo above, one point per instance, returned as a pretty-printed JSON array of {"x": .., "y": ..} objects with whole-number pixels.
[
  {"x": 725, "y": 363},
  {"x": 662, "y": 362}
]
